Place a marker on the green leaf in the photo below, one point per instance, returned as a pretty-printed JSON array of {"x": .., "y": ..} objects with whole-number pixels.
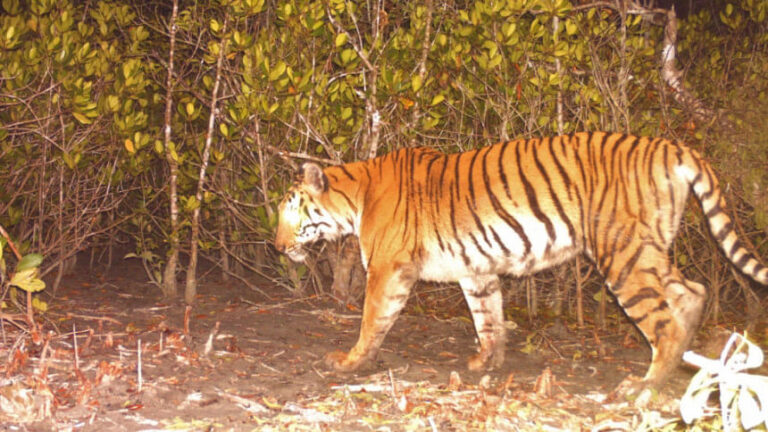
[
  {"x": 113, "y": 102},
  {"x": 598, "y": 296},
  {"x": 28, "y": 280},
  {"x": 82, "y": 118},
  {"x": 254, "y": 6},
  {"x": 437, "y": 99},
  {"x": 416, "y": 83},
  {"x": 215, "y": 26},
  {"x": 347, "y": 56},
  {"x": 11, "y": 6},
  {"x": 508, "y": 29},
  {"x": 39, "y": 304},
  {"x": 570, "y": 27},
  {"x": 68, "y": 160},
  {"x": 341, "y": 39},
  {"x": 277, "y": 71},
  {"x": 191, "y": 203},
  {"x": 29, "y": 261},
  {"x": 495, "y": 61}
]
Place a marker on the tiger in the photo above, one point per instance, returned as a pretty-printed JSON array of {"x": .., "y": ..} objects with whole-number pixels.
[{"x": 515, "y": 208}]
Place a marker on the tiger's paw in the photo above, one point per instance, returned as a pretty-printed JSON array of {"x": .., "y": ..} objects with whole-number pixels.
[
  {"x": 339, "y": 361},
  {"x": 635, "y": 390}
]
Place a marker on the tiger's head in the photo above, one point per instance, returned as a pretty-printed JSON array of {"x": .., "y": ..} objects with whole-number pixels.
[{"x": 303, "y": 219}]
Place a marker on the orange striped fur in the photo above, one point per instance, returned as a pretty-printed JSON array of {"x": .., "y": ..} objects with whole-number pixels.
[{"x": 516, "y": 208}]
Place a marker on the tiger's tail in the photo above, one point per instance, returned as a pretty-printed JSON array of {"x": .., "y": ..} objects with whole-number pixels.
[{"x": 705, "y": 187}]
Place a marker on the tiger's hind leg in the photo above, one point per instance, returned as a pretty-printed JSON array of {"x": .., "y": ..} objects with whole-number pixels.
[
  {"x": 664, "y": 305},
  {"x": 386, "y": 293},
  {"x": 686, "y": 300},
  {"x": 483, "y": 296}
]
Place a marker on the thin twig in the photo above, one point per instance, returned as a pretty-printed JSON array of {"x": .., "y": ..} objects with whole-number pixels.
[
  {"x": 247, "y": 404},
  {"x": 74, "y": 338},
  {"x": 187, "y": 314},
  {"x": 392, "y": 391},
  {"x": 138, "y": 365},
  {"x": 10, "y": 242},
  {"x": 86, "y": 317},
  {"x": 209, "y": 343},
  {"x": 287, "y": 154},
  {"x": 190, "y": 290},
  {"x": 277, "y": 305}
]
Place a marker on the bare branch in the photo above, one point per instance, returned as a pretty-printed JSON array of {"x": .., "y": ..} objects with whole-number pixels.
[
  {"x": 190, "y": 290},
  {"x": 423, "y": 62},
  {"x": 286, "y": 155},
  {"x": 673, "y": 77}
]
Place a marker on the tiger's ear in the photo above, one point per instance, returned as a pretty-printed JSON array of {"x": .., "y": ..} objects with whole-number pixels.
[{"x": 313, "y": 177}]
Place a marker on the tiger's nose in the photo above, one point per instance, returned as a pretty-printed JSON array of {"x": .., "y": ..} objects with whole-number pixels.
[{"x": 280, "y": 246}]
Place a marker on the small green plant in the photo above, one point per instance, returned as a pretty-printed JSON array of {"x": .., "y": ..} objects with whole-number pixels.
[
  {"x": 293, "y": 272},
  {"x": 26, "y": 275}
]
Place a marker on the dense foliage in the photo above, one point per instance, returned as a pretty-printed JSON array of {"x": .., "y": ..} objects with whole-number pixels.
[{"x": 84, "y": 164}]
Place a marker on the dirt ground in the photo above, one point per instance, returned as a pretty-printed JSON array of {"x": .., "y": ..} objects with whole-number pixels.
[{"x": 246, "y": 363}]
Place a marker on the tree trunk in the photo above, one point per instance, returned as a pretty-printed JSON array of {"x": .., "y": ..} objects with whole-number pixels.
[{"x": 168, "y": 286}]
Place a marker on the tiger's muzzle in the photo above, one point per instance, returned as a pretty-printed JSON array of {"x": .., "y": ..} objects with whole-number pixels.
[{"x": 294, "y": 251}]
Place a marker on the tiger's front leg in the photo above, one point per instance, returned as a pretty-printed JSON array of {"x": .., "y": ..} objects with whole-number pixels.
[
  {"x": 483, "y": 295},
  {"x": 386, "y": 293}
]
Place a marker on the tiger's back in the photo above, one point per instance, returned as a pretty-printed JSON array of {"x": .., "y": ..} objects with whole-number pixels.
[{"x": 519, "y": 207}]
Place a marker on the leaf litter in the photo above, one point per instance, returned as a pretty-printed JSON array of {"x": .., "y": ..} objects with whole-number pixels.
[{"x": 235, "y": 362}]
